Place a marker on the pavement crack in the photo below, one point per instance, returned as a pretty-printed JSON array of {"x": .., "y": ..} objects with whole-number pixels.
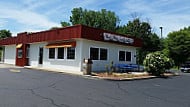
[
  {"x": 53, "y": 85},
  {"x": 113, "y": 98},
  {"x": 120, "y": 88},
  {"x": 46, "y": 98}
]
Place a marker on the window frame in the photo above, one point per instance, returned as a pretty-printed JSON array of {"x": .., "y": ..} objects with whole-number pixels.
[
  {"x": 97, "y": 57},
  {"x": 73, "y": 55},
  {"x": 63, "y": 57},
  {"x": 54, "y": 53},
  {"x": 125, "y": 58},
  {"x": 99, "y": 53},
  {"x": 103, "y": 54}
]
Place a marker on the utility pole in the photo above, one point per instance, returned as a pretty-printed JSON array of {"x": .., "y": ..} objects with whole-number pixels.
[{"x": 161, "y": 31}]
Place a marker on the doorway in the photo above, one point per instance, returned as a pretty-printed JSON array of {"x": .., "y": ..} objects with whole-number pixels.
[{"x": 40, "y": 55}]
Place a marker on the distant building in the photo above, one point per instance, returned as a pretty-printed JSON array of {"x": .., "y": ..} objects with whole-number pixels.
[{"x": 66, "y": 48}]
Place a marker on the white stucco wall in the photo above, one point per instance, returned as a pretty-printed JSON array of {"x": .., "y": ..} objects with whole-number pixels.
[
  {"x": 113, "y": 53},
  {"x": 34, "y": 53},
  {"x": 82, "y": 51},
  {"x": 10, "y": 54},
  {"x": 57, "y": 64}
]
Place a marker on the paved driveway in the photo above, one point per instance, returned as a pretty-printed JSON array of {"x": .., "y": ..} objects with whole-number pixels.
[{"x": 21, "y": 87}]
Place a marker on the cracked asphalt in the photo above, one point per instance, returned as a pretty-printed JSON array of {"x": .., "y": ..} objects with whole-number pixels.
[{"x": 20, "y": 87}]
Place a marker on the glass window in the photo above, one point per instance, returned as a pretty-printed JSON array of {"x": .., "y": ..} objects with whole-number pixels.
[
  {"x": 121, "y": 55},
  {"x": 103, "y": 54},
  {"x": 128, "y": 56},
  {"x": 19, "y": 53},
  {"x": 71, "y": 53},
  {"x": 51, "y": 53},
  {"x": 60, "y": 53},
  {"x": 94, "y": 53}
]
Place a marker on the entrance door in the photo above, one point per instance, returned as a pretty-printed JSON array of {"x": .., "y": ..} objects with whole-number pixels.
[{"x": 40, "y": 55}]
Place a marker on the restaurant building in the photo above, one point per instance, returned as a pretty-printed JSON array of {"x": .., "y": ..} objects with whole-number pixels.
[{"x": 66, "y": 48}]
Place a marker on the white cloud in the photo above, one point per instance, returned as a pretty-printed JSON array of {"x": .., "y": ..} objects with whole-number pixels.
[
  {"x": 171, "y": 15},
  {"x": 36, "y": 4},
  {"x": 27, "y": 18},
  {"x": 133, "y": 6},
  {"x": 69, "y": 5},
  {"x": 170, "y": 22}
]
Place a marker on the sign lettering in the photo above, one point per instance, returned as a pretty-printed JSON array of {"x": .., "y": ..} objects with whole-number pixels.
[{"x": 117, "y": 38}]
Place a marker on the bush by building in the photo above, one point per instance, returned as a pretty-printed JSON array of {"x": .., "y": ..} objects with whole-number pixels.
[{"x": 156, "y": 63}]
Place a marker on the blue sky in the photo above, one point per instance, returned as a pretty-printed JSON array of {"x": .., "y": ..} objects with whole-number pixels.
[{"x": 36, "y": 15}]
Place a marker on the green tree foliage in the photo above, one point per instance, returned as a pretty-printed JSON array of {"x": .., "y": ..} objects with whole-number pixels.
[
  {"x": 99, "y": 19},
  {"x": 156, "y": 63},
  {"x": 65, "y": 24},
  {"x": 5, "y": 33},
  {"x": 178, "y": 45},
  {"x": 141, "y": 29},
  {"x": 138, "y": 28}
]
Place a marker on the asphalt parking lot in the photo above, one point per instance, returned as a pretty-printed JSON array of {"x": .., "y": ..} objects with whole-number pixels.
[{"x": 20, "y": 87}]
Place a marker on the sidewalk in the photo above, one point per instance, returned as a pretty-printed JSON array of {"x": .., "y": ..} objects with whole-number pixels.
[
  {"x": 2, "y": 65},
  {"x": 54, "y": 70}
]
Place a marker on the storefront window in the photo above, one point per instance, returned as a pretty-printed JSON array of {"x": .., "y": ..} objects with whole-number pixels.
[
  {"x": 51, "y": 53},
  {"x": 60, "y": 53},
  {"x": 128, "y": 56},
  {"x": 121, "y": 55},
  {"x": 94, "y": 53},
  {"x": 124, "y": 56},
  {"x": 103, "y": 54},
  {"x": 71, "y": 53},
  {"x": 19, "y": 53},
  {"x": 98, "y": 53}
]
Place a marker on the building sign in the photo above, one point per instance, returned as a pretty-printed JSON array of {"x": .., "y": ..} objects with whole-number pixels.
[{"x": 117, "y": 38}]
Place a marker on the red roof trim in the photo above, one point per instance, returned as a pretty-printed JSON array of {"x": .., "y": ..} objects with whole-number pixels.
[{"x": 66, "y": 33}]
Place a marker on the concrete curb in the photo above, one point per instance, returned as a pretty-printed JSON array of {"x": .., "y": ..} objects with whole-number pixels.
[
  {"x": 130, "y": 79},
  {"x": 125, "y": 79}
]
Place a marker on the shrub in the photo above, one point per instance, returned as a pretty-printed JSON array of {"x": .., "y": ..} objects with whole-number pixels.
[
  {"x": 110, "y": 68},
  {"x": 156, "y": 63}
]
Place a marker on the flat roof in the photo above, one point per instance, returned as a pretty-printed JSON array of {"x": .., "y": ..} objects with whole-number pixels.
[{"x": 72, "y": 32}]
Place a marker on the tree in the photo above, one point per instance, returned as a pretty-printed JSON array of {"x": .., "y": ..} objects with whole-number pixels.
[
  {"x": 5, "y": 33},
  {"x": 156, "y": 63},
  {"x": 65, "y": 24},
  {"x": 99, "y": 19},
  {"x": 178, "y": 45}
]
